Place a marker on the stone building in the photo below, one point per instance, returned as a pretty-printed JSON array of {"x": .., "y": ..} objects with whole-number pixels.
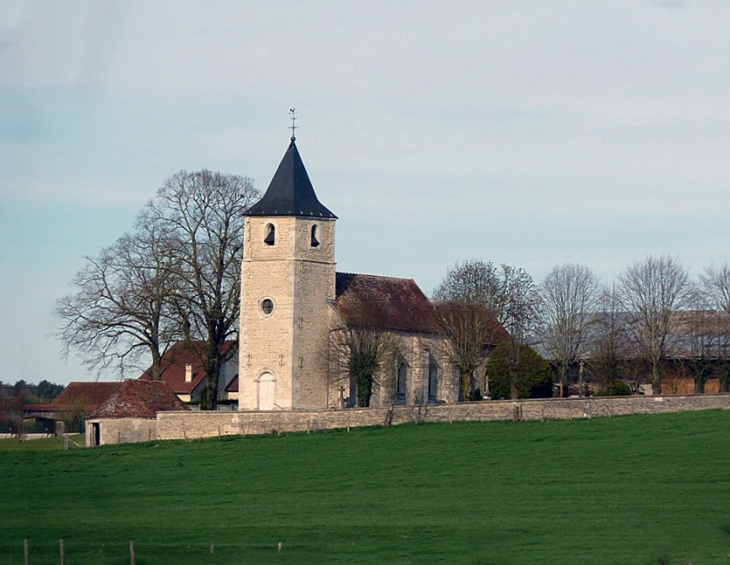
[
  {"x": 129, "y": 415},
  {"x": 77, "y": 400},
  {"x": 295, "y": 307}
]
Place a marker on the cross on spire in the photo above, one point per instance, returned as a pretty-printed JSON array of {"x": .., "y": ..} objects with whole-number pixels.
[{"x": 293, "y": 127}]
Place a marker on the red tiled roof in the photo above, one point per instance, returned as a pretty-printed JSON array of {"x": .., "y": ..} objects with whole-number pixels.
[
  {"x": 90, "y": 394},
  {"x": 78, "y": 396},
  {"x": 499, "y": 334},
  {"x": 394, "y": 304},
  {"x": 391, "y": 303},
  {"x": 176, "y": 358},
  {"x": 233, "y": 385},
  {"x": 139, "y": 399}
]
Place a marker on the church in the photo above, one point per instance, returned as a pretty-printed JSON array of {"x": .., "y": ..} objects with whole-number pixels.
[{"x": 302, "y": 322}]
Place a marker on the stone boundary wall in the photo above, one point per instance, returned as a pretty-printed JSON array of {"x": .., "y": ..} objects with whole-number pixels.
[{"x": 194, "y": 425}]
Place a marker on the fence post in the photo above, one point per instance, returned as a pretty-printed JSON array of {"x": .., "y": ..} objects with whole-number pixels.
[
  {"x": 63, "y": 552},
  {"x": 132, "y": 553},
  {"x": 26, "y": 551}
]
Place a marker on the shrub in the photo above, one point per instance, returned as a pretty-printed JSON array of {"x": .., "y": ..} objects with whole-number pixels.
[
  {"x": 616, "y": 387},
  {"x": 535, "y": 378}
]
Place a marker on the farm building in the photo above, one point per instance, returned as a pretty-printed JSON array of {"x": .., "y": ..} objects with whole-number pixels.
[
  {"x": 75, "y": 403},
  {"x": 129, "y": 414}
]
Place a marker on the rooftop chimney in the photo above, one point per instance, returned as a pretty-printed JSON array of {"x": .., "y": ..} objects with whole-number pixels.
[{"x": 188, "y": 373}]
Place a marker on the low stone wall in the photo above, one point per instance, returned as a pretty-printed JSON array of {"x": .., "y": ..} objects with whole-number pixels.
[{"x": 192, "y": 425}]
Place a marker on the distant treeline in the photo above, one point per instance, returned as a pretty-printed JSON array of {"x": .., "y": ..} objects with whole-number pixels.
[{"x": 42, "y": 393}]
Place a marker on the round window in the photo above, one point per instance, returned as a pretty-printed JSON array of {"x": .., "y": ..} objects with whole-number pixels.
[{"x": 267, "y": 306}]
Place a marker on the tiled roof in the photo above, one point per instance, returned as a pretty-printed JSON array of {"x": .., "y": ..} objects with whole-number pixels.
[
  {"x": 391, "y": 303},
  {"x": 233, "y": 385},
  {"x": 86, "y": 393},
  {"x": 78, "y": 396},
  {"x": 290, "y": 192},
  {"x": 176, "y": 358},
  {"x": 139, "y": 399},
  {"x": 394, "y": 304}
]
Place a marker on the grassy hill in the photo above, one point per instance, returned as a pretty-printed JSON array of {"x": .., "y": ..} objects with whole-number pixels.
[{"x": 613, "y": 491}]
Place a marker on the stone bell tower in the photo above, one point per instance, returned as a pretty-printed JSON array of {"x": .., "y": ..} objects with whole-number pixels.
[{"x": 288, "y": 275}]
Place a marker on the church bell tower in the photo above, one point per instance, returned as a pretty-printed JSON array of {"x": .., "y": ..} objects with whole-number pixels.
[{"x": 288, "y": 277}]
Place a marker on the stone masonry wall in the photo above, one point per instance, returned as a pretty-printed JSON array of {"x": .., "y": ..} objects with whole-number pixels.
[
  {"x": 192, "y": 425},
  {"x": 300, "y": 279},
  {"x": 122, "y": 430}
]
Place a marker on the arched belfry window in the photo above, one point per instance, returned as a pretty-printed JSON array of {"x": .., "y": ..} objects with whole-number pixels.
[
  {"x": 270, "y": 238},
  {"x": 315, "y": 236}
]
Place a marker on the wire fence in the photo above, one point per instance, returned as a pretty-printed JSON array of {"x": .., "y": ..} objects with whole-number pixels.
[{"x": 63, "y": 552}]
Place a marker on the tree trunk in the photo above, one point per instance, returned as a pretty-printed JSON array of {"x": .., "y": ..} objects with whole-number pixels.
[
  {"x": 514, "y": 392},
  {"x": 581, "y": 383},
  {"x": 466, "y": 385},
  {"x": 156, "y": 363},
  {"x": 656, "y": 380},
  {"x": 563, "y": 380},
  {"x": 700, "y": 385},
  {"x": 209, "y": 398},
  {"x": 725, "y": 380}
]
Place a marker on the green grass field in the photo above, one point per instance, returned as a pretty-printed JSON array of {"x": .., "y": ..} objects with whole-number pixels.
[{"x": 602, "y": 491}]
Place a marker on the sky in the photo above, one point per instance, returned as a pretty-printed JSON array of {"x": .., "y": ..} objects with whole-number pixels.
[{"x": 532, "y": 133}]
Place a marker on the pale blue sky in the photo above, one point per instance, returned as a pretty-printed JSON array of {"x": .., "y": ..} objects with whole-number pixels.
[{"x": 527, "y": 132}]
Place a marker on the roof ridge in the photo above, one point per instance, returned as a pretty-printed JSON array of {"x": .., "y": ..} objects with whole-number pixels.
[{"x": 390, "y": 277}]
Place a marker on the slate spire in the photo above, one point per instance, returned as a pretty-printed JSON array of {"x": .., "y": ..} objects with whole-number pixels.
[{"x": 290, "y": 192}]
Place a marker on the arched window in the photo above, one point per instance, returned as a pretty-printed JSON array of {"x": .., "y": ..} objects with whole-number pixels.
[
  {"x": 270, "y": 238},
  {"x": 433, "y": 380},
  {"x": 315, "y": 234},
  {"x": 402, "y": 384}
]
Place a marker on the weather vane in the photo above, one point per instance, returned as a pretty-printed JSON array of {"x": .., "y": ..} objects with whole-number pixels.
[{"x": 293, "y": 127}]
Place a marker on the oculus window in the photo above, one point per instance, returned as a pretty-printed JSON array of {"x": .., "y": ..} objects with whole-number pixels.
[{"x": 267, "y": 306}]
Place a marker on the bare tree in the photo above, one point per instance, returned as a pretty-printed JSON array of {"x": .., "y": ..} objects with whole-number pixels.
[
  {"x": 506, "y": 294},
  {"x": 362, "y": 348},
  {"x": 715, "y": 287},
  {"x": 202, "y": 215},
  {"x": 177, "y": 276},
  {"x": 608, "y": 339},
  {"x": 520, "y": 313},
  {"x": 470, "y": 331},
  {"x": 466, "y": 302},
  {"x": 11, "y": 414},
  {"x": 121, "y": 308},
  {"x": 473, "y": 282},
  {"x": 651, "y": 292},
  {"x": 569, "y": 295}
]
